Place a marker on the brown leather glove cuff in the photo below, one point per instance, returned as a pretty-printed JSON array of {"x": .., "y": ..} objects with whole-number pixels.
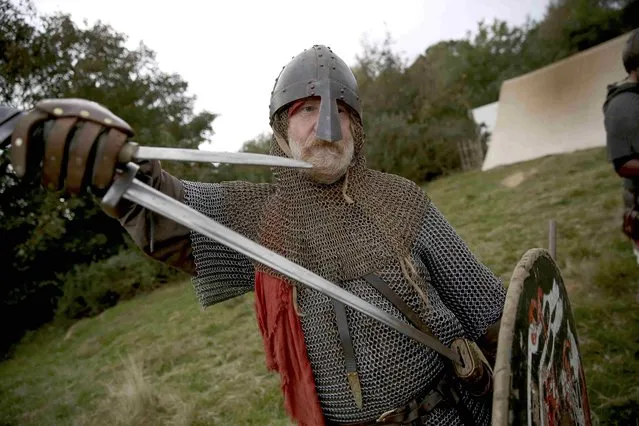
[
  {"x": 150, "y": 173},
  {"x": 159, "y": 237}
]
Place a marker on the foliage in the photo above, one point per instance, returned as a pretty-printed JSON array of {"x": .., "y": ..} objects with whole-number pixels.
[
  {"x": 45, "y": 235},
  {"x": 416, "y": 114},
  {"x": 228, "y": 172},
  {"x": 575, "y": 25},
  {"x": 90, "y": 289}
]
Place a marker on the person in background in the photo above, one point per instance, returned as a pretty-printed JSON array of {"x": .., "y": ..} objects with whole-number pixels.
[{"x": 621, "y": 121}]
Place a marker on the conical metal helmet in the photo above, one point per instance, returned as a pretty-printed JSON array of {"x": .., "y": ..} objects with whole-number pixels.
[{"x": 317, "y": 72}]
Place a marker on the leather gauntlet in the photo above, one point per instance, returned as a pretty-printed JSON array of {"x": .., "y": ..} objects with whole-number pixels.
[{"x": 76, "y": 141}]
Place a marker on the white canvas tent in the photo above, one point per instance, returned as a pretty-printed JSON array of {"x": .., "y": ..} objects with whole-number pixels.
[
  {"x": 555, "y": 109},
  {"x": 487, "y": 115}
]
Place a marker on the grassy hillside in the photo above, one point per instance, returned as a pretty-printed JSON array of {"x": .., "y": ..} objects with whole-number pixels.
[{"x": 159, "y": 359}]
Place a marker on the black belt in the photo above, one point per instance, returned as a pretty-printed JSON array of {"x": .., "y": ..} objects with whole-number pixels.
[{"x": 416, "y": 411}]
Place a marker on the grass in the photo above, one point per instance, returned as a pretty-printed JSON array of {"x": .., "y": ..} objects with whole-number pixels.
[
  {"x": 156, "y": 359},
  {"x": 160, "y": 359}
]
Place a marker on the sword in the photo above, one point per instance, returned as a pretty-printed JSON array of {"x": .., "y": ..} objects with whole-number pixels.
[
  {"x": 129, "y": 188},
  {"x": 132, "y": 152}
]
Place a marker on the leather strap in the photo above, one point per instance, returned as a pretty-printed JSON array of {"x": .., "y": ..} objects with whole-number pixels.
[
  {"x": 411, "y": 315},
  {"x": 20, "y": 141},
  {"x": 410, "y": 413},
  {"x": 81, "y": 145},
  {"x": 55, "y": 153},
  {"x": 381, "y": 286},
  {"x": 350, "y": 361},
  {"x": 109, "y": 145}
]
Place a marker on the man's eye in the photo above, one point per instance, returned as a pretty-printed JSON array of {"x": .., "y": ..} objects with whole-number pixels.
[{"x": 308, "y": 108}]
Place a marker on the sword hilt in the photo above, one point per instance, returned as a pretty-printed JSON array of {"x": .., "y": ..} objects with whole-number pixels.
[
  {"x": 121, "y": 183},
  {"x": 127, "y": 152}
]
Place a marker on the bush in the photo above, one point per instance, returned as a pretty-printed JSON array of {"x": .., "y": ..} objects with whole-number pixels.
[
  {"x": 416, "y": 151},
  {"x": 90, "y": 289}
]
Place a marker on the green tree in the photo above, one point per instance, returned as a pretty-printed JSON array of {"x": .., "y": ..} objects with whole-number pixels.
[
  {"x": 571, "y": 26},
  {"x": 412, "y": 120},
  {"x": 228, "y": 172},
  {"x": 50, "y": 56}
]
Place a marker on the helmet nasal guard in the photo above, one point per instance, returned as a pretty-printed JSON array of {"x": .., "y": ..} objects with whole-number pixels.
[{"x": 317, "y": 72}]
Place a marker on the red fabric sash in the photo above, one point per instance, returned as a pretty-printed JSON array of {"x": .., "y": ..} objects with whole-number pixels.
[{"x": 285, "y": 349}]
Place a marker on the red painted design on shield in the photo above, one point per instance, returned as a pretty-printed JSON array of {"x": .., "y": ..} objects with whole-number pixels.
[{"x": 563, "y": 390}]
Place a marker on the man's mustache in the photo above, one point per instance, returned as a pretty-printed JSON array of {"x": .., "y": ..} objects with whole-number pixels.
[{"x": 320, "y": 143}]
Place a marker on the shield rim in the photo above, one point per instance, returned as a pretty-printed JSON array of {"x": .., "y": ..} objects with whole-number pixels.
[{"x": 502, "y": 375}]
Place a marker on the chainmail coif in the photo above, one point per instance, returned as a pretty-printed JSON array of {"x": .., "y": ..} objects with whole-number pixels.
[{"x": 343, "y": 230}]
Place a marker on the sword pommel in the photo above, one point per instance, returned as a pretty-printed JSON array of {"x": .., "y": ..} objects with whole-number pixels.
[{"x": 128, "y": 152}]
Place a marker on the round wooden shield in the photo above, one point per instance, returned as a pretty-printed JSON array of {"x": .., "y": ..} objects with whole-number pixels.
[{"x": 538, "y": 375}]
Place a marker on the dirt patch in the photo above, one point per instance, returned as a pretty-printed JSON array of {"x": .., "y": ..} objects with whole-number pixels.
[
  {"x": 89, "y": 347},
  {"x": 517, "y": 178}
]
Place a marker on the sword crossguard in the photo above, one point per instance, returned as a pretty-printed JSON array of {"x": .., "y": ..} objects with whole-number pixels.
[{"x": 122, "y": 182}]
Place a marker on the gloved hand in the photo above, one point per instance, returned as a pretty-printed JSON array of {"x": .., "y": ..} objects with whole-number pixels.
[{"x": 75, "y": 141}]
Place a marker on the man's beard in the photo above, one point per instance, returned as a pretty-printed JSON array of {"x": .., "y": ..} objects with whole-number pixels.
[{"x": 330, "y": 160}]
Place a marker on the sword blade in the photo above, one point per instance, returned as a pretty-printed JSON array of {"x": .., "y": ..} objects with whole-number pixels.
[
  {"x": 202, "y": 156},
  {"x": 152, "y": 199}
]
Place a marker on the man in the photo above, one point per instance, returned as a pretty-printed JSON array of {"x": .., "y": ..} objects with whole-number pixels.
[
  {"x": 376, "y": 235},
  {"x": 621, "y": 111}
]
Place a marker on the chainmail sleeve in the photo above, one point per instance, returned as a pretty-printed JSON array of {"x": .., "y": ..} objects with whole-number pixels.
[
  {"x": 469, "y": 289},
  {"x": 221, "y": 273}
]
